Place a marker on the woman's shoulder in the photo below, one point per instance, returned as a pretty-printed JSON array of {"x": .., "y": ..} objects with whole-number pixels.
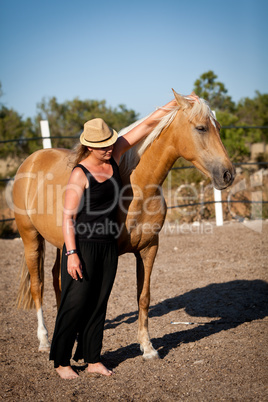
[
  {"x": 79, "y": 175},
  {"x": 79, "y": 168}
]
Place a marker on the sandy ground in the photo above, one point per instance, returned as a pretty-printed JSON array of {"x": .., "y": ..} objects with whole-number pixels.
[{"x": 213, "y": 277}]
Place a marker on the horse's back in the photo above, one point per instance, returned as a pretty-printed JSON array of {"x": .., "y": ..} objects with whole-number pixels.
[
  {"x": 38, "y": 193},
  {"x": 44, "y": 159}
]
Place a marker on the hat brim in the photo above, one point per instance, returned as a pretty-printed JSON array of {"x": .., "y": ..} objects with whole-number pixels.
[{"x": 101, "y": 144}]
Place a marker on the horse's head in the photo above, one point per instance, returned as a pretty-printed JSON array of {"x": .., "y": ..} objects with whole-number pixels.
[{"x": 199, "y": 140}]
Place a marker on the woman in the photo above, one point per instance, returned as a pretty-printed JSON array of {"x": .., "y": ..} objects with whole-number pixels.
[{"x": 89, "y": 258}]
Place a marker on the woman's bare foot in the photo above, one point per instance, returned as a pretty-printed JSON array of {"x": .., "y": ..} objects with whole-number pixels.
[
  {"x": 98, "y": 368},
  {"x": 66, "y": 372}
]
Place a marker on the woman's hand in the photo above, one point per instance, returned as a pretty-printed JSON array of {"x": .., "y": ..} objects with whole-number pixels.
[
  {"x": 74, "y": 267},
  {"x": 140, "y": 131}
]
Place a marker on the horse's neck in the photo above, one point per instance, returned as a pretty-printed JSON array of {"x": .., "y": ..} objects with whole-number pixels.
[{"x": 155, "y": 163}]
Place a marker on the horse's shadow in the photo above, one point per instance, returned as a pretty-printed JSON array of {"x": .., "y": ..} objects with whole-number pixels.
[{"x": 229, "y": 305}]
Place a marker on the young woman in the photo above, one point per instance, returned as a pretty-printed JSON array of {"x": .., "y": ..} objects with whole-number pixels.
[{"x": 89, "y": 258}]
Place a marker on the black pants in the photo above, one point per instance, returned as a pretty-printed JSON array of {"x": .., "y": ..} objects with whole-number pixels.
[{"x": 83, "y": 304}]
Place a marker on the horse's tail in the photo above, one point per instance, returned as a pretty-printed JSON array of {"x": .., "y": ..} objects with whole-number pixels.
[{"x": 24, "y": 297}]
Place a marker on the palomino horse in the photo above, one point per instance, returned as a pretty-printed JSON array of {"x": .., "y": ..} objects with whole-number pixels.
[{"x": 189, "y": 130}]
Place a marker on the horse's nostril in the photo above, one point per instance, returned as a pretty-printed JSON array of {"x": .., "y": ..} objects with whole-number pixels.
[{"x": 227, "y": 176}]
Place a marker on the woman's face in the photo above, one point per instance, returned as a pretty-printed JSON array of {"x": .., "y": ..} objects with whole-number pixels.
[{"x": 103, "y": 153}]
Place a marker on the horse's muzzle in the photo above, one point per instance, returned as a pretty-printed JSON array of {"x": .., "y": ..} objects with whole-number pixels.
[{"x": 223, "y": 177}]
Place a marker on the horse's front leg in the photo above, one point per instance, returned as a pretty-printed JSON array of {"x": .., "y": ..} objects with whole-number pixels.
[{"x": 145, "y": 259}]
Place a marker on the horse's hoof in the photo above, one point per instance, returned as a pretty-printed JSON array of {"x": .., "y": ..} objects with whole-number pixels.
[
  {"x": 44, "y": 349},
  {"x": 152, "y": 355}
]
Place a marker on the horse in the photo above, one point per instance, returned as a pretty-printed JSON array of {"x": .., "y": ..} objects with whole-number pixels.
[{"x": 188, "y": 130}]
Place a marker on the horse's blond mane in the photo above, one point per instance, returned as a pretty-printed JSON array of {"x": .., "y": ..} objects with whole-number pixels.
[
  {"x": 197, "y": 106},
  {"x": 200, "y": 108}
]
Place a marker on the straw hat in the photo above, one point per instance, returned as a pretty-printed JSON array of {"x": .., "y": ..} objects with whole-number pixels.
[{"x": 97, "y": 134}]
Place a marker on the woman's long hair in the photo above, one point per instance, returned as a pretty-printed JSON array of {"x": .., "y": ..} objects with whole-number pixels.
[{"x": 79, "y": 152}]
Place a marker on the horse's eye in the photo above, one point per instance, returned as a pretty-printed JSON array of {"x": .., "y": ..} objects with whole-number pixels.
[{"x": 201, "y": 129}]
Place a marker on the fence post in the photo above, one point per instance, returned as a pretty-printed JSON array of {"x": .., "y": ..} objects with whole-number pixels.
[
  {"x": 217, "y": 199},
  {"x": 45, "y": 134},
  {"x": 218, "y": 207}
]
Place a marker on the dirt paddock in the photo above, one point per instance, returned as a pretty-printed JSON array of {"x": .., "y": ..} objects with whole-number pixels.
[{"x": 213, "y": 277}]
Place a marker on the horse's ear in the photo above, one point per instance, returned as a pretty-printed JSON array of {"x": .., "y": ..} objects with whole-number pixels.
[
  {"x": 181, "y": 101},
  {"x": 194, "y": 94}
]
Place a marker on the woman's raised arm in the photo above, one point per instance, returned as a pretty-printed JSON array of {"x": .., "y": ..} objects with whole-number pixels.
[{"x": 140, "y": 131}]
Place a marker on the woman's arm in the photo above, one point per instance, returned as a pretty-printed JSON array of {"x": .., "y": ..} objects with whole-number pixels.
[
  {"x": 140, "y": 131},
  {"x": 73, "y": 195}
]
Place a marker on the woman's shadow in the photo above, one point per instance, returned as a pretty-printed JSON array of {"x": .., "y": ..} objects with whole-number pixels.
[{"x": 228, "y": 304}]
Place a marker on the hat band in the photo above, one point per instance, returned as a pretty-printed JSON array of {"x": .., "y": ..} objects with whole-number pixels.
[{"x": 96, "y": 142}]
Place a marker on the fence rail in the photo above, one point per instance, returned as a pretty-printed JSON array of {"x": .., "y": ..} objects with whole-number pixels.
[
  {"x": 77, "y": 135},
  {"x": 7, "y": 179},
  {"x": 21, "y": 140},
  {"x": 190, "y": 204}
]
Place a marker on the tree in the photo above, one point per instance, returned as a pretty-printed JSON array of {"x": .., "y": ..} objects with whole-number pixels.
[
  {"x": 67, "y": 119},
  {"x": 214, "y": 92},
  {"x": 254, "y": 112},
  {"x": 248, "y": 112},
  {"x": 235, "y": 140},
  {"x": 13, "y": 127}
]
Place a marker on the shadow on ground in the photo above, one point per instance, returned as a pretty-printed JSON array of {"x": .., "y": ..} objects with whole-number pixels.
[{"x": 228, "y": 304}]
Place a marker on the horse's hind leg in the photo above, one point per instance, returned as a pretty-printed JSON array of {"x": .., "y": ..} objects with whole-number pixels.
[
  {"x": 57, "y": 278},
  {"x": 145, "y": 260},
  {"x": 34, "y": 250}
]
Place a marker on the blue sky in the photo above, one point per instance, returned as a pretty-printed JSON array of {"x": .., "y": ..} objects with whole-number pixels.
[{"x": 129, "y": 52}]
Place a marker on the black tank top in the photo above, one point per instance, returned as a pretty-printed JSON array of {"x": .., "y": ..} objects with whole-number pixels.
[{"x": 96, "y": 218}]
